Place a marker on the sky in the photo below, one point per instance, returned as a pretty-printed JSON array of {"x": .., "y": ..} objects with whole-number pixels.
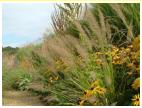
[{"x": 25, "y": 23}]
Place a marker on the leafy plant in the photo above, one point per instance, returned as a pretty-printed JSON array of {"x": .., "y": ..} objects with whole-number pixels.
[{"x": 24, "y": 81}]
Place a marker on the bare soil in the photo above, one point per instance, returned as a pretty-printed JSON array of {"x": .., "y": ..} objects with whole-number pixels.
[{"x": 20, "y": 98}]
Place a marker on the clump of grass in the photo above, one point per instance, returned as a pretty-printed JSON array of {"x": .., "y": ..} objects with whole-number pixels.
[
  {"x": 12, "y": 78},
  {"x": 123, "y": 18}
]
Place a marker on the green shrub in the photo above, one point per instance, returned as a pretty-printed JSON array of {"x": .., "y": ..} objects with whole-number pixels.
[
  {"x": 15, "y": 79},
  {"x": 23, "y": 82}
]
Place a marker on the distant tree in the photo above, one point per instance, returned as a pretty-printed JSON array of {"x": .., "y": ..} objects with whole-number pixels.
[{"x": 10, "y": 50}]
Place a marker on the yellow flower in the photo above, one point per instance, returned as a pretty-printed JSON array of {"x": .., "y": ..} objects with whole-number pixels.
[
  {"x": 127, "y": 50},
  {"x": 117, "y": 62},
  {"x": 81, "y": 102},
  {"x": 138, "y": 69},
  {"x": 94, "y": 84},
  {"x": 99, "y": 61},
  {"x": 130, "y": 65},
  {"x": 116, "y": 57},
  {"x": 129, "y": 73},
  {"x": 136, "y": 84},
  {"x": 136, "y": 43},
  {"x": 99, "y": 90},
  {"x": 88, "y": 93},
  {"x": 115, "y": 49},
  {"x": 136, "y": 100},
  {"x": 113, "y": 53}
]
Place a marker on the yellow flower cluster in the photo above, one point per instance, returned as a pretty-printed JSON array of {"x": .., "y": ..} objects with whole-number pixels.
[
  {"x": 121, "y": 55},
  {"x": 94, "y": 91},
  {"x": 135, "y": 65},
  {"x": 129, "y": 58}
]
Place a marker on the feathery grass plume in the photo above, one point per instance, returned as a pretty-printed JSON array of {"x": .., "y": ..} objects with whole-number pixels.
[
  {"x": 66, "y": 47},
  {"x": 58, "y": 22},
  {"x": 63, "y": 17},
  {"x": 97, "y": 30},
  {"x": 119, "y": 11},
  {"x": 122, "y": 18}
]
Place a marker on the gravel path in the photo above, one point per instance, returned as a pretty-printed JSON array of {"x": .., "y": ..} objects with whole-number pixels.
[{"x": 20, "y": 98}]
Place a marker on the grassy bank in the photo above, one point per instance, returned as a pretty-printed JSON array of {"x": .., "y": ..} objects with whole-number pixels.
[{"x": 93, "y": 57}]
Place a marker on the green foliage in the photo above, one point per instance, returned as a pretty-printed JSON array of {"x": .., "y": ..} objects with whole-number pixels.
[
  {"x": 37, "y": 60},
  {"x": 15, "y": 78},
  {"x": 9, "y": 50},
  {"x": 122, "y": 21},
  {"x": 24, "y": 52},
  {"x": 23, "y": 82},
  {"x": 72, "y": 30},
  {"x": 69, "y": 89}
]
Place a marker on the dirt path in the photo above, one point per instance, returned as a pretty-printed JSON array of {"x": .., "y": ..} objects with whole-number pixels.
[{"x": 20, "y": 98}]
